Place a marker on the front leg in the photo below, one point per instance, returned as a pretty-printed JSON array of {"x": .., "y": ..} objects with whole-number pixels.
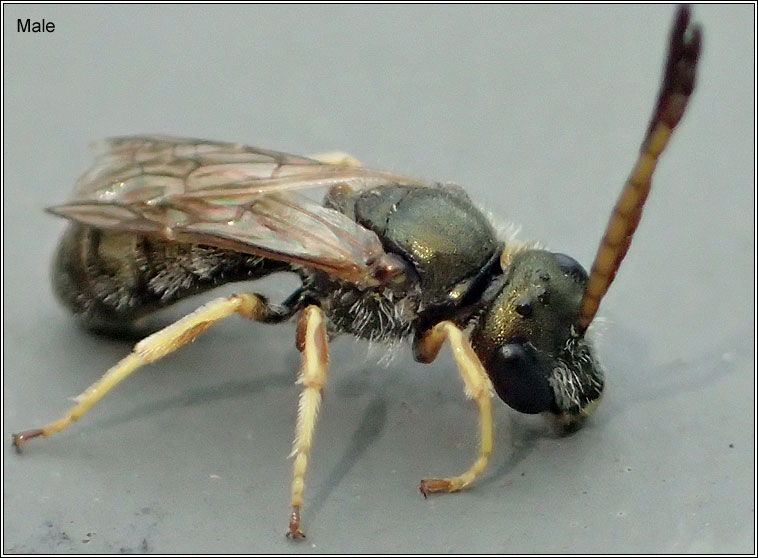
[{"x": 477, "y": 386}]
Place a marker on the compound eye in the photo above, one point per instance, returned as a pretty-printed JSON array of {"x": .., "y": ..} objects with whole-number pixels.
[
  {"x": 571, "y": 267},
  {"x": 520, "y": 380}
]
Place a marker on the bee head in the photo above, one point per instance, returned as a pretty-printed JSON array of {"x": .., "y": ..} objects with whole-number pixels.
[{"x": 528, "y": 340}]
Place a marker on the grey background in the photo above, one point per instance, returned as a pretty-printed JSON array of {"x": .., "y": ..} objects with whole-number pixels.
[{"x": 539, "y": 112}]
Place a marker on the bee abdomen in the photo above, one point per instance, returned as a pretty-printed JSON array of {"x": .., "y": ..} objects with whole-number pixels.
[{"x": 110, "y": 280}]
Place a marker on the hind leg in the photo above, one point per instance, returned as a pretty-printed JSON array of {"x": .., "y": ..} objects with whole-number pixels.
[{"x": 152, "y": 348}]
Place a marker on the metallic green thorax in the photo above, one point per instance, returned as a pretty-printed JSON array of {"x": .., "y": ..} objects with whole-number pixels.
[{"x": 437, "y": 230}]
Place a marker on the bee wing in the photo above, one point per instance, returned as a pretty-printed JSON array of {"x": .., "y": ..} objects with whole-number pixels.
[{"x": 235, "y": 197}]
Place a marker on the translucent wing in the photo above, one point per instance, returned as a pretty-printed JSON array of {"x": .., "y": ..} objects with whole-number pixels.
[{"x": 232, "y": 196}]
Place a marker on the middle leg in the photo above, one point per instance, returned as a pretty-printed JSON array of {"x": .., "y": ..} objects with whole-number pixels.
[{"x": 312, "y": 343}]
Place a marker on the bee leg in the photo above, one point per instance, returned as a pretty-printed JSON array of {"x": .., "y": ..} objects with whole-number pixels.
[
  {"x": 152, "y": 348},
  {"x": 339, "y": 158},
  {"x": 312, "y": 343},
  {"x": 477, "y": 386}
]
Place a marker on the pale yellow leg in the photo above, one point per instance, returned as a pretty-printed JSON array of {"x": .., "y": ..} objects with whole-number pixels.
[
  {"x": 477, "y": 386},
  {"x": 151, "y": 349},
  {"x": 339, "y": 158},
  {"x": 312, "y": 343}
]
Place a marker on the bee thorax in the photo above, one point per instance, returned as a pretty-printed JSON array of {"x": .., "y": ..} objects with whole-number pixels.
[{"x": 374, "y": 314}]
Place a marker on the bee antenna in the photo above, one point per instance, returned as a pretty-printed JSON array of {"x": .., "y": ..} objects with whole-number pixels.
[{"x": 678, "y": 84}]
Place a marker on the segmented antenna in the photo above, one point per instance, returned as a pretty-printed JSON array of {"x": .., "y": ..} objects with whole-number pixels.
[{"x": 678, "y": 84}]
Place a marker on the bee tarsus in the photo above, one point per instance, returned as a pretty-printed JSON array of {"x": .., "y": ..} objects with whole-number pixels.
[
  {"x": 21, "y": 438},
  {"x": 295, "y": 533}
]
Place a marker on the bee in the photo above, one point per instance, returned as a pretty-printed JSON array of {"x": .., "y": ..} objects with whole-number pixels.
[{"x": 383, "y": 257}]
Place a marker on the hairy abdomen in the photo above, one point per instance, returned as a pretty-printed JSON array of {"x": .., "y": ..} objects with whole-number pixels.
[{"x": 110, "y": 280}]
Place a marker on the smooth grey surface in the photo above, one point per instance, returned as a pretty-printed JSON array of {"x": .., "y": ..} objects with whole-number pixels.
[{"x": 539, "y": 112}]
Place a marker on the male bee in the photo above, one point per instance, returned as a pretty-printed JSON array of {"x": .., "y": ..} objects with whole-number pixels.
[{"x": 384, "y": 257}]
